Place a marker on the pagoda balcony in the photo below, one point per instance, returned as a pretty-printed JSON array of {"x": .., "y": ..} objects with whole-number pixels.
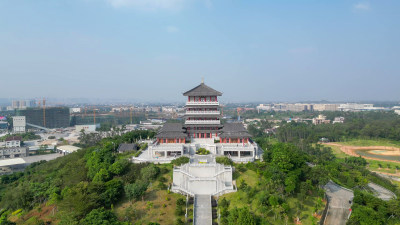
[
  {"x": 202, "y": 103},
  {"x": 195, "y": 122},
  {"x": 202, "y": 112}
]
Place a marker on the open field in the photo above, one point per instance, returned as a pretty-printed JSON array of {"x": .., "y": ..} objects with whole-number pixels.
[
  {"x": 352, "y": 151},
  {"x": 378, "y": 142},
  {"x": 344, "y": 149}
]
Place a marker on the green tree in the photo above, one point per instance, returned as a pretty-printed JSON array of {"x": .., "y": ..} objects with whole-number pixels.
[
  {"x": 150, "y": 172},
  {"x": 136, "y": 190},
  {"x": 113, "y": 191},
  {"x": 119, "y": 167},
  {"x": 241, "y": 216},
  {"x": 80, "y": 199},
  {"x": 100, "y": 216}
]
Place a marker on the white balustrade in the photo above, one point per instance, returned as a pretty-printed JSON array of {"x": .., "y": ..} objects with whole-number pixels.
[
  {"x": 202, "y": 103},
  {"x": 202, "y": 112},
  {"x": 202, "y": 122}
]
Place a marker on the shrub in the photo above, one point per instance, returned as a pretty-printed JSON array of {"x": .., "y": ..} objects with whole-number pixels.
[
  {"x": 202, "y": 151},
  {"x": 224, "y": 160},
  {"x": 179, "y": 211},
  {"x": 162, "y": 186},
  {"x": 181, "y": 160},
  {"x": 16, "y": 212},
  {"x": 137, "y": 153},
  {"x": 179, "y": 222},
  {"x": 162, "y": 179},
  {"x": 144, "y": 146},
  {"x": 150, "y": 172},
  {"x": 180, "y": 202},
  {"x": 242, "y": 168}
]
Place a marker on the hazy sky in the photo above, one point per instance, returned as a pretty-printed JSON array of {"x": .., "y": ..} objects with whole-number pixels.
[{"x": 154, "y": 50}]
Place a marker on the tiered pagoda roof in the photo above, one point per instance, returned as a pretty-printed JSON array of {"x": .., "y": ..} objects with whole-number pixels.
[
  {"x": 172, "y": 130},
  {"x": 202, "y": 90},
  {"x": 234, "y": 130}
]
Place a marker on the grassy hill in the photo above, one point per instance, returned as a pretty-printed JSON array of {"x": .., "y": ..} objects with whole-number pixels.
[{"x": 96, "y": 185}]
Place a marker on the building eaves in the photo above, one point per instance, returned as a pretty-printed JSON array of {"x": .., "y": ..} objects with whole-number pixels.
[{"x": 202, "y": 90}]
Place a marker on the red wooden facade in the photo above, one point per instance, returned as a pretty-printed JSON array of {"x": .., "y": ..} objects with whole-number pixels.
[
  {"x": 171, "y": 140},
  {"x": 234, "y": 140}
]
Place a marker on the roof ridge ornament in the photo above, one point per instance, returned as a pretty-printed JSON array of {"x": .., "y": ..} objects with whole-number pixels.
[{"x": 202, "y": 80}]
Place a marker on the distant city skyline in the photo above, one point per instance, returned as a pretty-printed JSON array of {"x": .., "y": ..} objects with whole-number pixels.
[{"x": 154, "y": 50}]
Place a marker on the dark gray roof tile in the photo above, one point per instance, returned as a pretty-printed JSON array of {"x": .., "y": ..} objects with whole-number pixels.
[
  {"x": 172, "y": 130},
  {"x": 202, "y": 90},
  {"x": 127, "y": 147},
  {"x": 234, "y": 130}
]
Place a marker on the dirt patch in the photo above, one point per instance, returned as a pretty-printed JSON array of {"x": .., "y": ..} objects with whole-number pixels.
[
  {"x": 385, "y": 152},
  {"x": 44, "y": 213},
  {"x": 351, "y": 150}
]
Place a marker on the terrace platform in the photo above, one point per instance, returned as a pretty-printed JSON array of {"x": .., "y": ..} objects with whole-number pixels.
[{"x": 203, "y": 176}]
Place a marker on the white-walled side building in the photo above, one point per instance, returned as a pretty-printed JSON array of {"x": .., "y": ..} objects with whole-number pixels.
[
  {"x": 321, "y": 119},
  {"x": 14, "y": 152},
  {"x": 326, "y": 107},
  {"x": 87, "y": 128},
  {"x": 75, "y": 110},
  {"x": 338, "y": 120},
  {"x": 67, "y": 149},
  {"x": 14, "y": 141}
]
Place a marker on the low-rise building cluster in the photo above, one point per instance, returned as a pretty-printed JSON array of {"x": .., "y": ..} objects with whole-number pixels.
[{"x": 300, "y": 107}]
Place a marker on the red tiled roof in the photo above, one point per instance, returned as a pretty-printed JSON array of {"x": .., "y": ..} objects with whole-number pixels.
[{"x": 14, "y": 138}]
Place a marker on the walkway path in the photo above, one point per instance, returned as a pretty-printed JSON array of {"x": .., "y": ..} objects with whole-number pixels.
[
  {"x": 382, "y": 192},
  {"x": 339, "y": 205},
  {"x": 202, "y": 214}
]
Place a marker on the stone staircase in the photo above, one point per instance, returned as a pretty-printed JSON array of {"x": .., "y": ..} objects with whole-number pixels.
[{"x": 202, "y": 214}]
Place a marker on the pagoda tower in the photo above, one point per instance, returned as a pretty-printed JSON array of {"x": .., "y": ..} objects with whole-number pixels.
[{"x": 202, "y": 116}]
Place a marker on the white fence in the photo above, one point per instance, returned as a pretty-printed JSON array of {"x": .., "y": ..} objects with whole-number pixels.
[
  {"x": 202, "y": 122},
  {"x": 202, "y": 112},
  {"x": 202, "y": 103}
]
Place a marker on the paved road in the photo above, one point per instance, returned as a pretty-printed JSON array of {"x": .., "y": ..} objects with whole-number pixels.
[
  {"x": 381, "y": 192},
  {"x": 28, "y": 160},
  {"x": 202, "y": 210},
  {"x": 339, "y": 204}
]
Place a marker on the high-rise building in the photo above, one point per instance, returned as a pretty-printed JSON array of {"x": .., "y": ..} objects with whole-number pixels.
[
  {"x": 23, "y": 104},
  {"x": 19, "y": 124},
  {"x": 55, "y": 117}
]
